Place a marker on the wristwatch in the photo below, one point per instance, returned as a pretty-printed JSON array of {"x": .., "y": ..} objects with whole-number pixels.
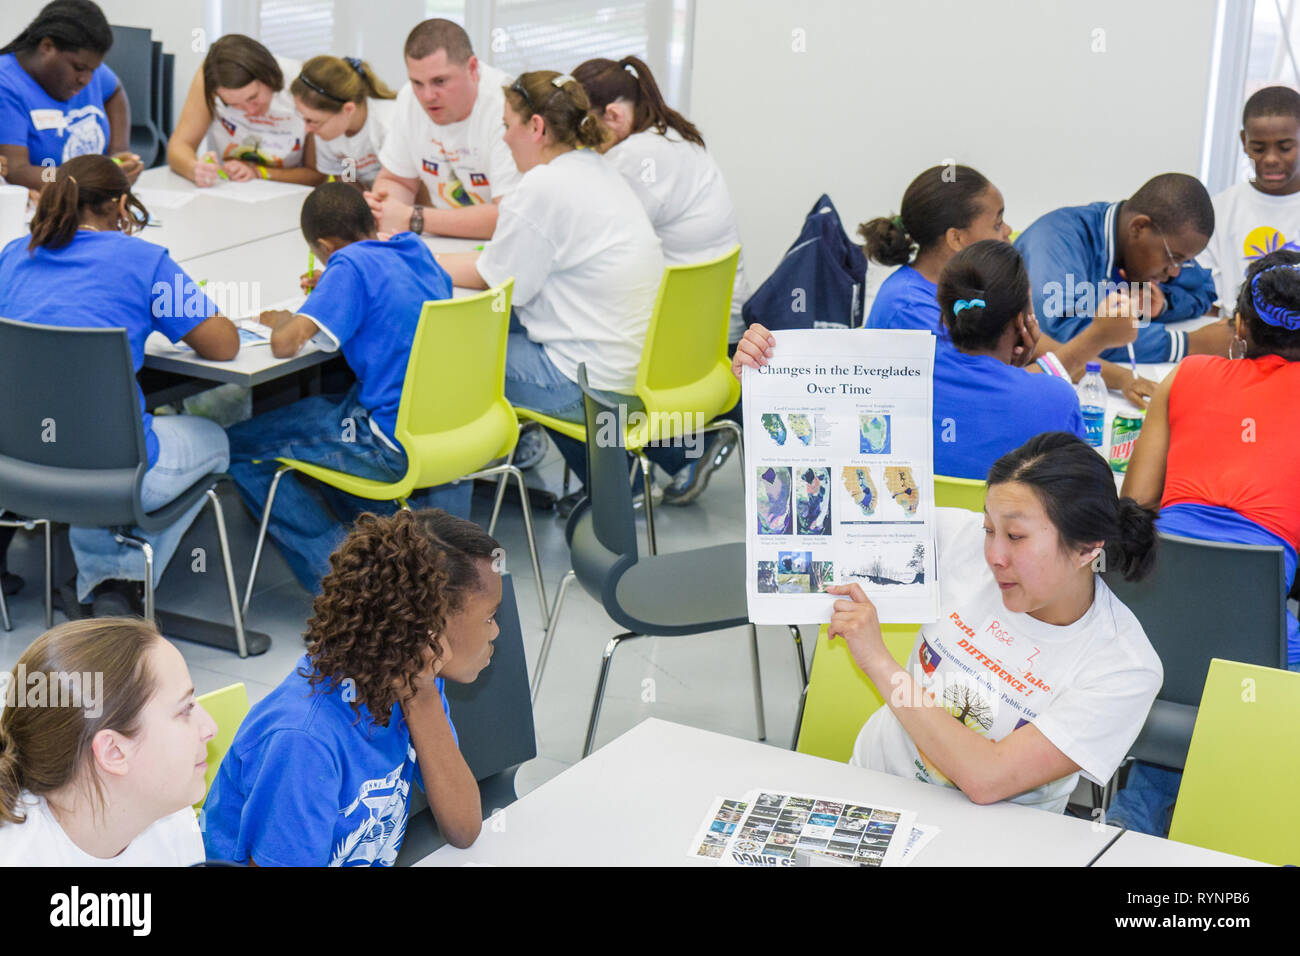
[{"x": 417, "y": 220}]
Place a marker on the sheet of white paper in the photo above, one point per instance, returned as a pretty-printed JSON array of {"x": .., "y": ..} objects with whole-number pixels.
[
  {"x": 917, "y": 840},
  {"x": 154, "y": 199},
  {"x": 291, "y": 304},
  {"x": 839, "y": 475},
  {"x": 256, "y": 190}
]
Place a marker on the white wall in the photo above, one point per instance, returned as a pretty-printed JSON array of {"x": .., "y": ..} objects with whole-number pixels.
[{"x": 886, "y": 88}]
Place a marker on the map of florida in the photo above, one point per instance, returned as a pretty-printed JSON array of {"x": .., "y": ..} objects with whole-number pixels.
[
  {"x": 901, "y": 484},
  {"x": 775, "y": 427},
  {"x": 862, "y": 489}
]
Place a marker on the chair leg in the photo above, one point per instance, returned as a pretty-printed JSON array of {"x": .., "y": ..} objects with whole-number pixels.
[
  {"x": 798, "y": 650},
  {"x": 610, "y": 648},
  {"x": 261, "y": 536},
  {"x": 508, "y": 471},
  {"x": 569, "y": 578},
  {"x": 647, "y": 495},
  {"x": 501, "y": 493},
  {"x": 231, "y": 588},
  {"x": 564, "y": 487},
  {"x": 147, "y": 550},
  {"x": 758, "y": 682},
  {"x": 4, "y": 611},
  {"x": 798, "y": 719}
]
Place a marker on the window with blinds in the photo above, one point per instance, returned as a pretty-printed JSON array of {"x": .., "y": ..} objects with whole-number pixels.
[{"x": 299, "y": 29}]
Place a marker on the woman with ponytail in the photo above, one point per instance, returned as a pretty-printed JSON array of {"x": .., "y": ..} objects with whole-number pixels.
[
  {"x": 348, "y": 110},
  {"x": 82, "y": 268},
  {"x": 238, "y": 105},
  {"x": 584, "y": 257},
  {"x": 57, "y": 97},
  {"x": 103, "y": 750},
  {"x": 1218, "y": 456},
  {"x": 1046, "y": 673},
  {"x": 984, "y": 403},
  {"x": 944, "y": 210}
]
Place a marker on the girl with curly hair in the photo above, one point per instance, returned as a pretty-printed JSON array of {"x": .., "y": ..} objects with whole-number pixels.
[{"x": 320, "y": 771}]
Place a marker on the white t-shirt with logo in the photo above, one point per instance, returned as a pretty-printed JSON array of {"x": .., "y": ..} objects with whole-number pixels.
[
  {"x": 1248, "y": 224},
  {"x": 586, "y": 264},
  {"x": 1087, "y": 686},
  {"x": 39, "y": 841},
  {"x": 276, "y": 138},
  {"x": 462, "y": 164},
  {"x": 360, "y": 151},
  {"x": 686, "y": 198}
]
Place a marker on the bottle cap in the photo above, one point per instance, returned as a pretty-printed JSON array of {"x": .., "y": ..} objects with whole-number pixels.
[{"x": 1094, "y": 367}]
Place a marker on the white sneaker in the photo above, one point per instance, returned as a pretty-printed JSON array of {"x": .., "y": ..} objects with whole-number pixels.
[{"x": 531, "y": 449}]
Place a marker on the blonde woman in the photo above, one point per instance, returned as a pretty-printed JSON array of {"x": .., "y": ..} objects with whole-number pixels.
[{"x": 348, "y": 110}]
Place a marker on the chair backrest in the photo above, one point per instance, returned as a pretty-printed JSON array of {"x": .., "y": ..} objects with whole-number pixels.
[
  {"x": 609, "y": 491},
  {"x": 72, "y": 445},
  {"x": 131, "y": 58},
  {"x": 1243, "y": 769},
  {"x": 494, "y": 715},
  {"x": 965, "y": 493},
  {"x": 840, "y": 698},
  {"x": 228, "y": 707},
  {"x": 453, "y": 416},
  {"x": 1208, "y": 599},
  {"x": 684, "y": 368}
]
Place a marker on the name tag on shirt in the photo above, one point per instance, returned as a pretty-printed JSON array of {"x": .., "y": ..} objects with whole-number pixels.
[{"x": 47, "y": 119}]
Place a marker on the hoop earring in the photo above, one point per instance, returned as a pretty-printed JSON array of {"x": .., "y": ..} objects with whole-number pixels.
[{"x": 1237, "y": 348}]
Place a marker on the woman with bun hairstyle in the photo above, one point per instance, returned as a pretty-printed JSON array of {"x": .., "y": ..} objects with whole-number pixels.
[
  {"x": 944, "y": 210},
  {"x": 584, "y": 257},
  {"x": 238, "y": 104},
  {"x": 1218, "y": 456},
  {"x": 348, "y": 111},
  {"x": 984, "y": 404},
  {"x": 104, "y": 766},
  {"x": 1034, "y": 672}
]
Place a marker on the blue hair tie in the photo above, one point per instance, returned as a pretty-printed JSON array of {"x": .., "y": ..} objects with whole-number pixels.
[
  {"x": 1268, "y": 312},
  {"x": 966, "y": 304},
  {"x": 356, "y": 65}
]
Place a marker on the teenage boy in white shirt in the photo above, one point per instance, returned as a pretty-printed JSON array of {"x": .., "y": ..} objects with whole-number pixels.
[{"x": 446, "y": 136}]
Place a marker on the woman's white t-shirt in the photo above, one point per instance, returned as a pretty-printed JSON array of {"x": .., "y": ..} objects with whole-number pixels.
[
  {"x": 39, "y": 841},
  {"x": 586, "y": 264},
  {"x": 1248, "y": 224},
  {"x": 1087, "y": 686},
  {"x": 463, "y": 163},
  {"x": 686, "y": 198},
  {"x": 355, "y": 158},
  {"x": 276, "y": 138}
]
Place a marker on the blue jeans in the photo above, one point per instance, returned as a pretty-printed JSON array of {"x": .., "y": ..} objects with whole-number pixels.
[
  {"x": 188, "y": 448},
  {"x": 1146, "y": 804},
  {"x": 334, "y": 432},
  {"x": 533, "y": 381}
]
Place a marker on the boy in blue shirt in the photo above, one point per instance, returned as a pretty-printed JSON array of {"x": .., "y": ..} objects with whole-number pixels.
[
  {"x": 320, "y": 771},
  {"x": 58, "y": 99},
  {"x": 367, "y": 303},
  {"x": 1088, "y": 259}
]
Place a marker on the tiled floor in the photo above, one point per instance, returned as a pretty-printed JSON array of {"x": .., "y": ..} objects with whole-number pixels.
[{"x": 704, "y": 681}]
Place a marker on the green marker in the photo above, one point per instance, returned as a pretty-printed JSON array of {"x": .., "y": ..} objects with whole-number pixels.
[
  {"x": 213, "y": 160},
  {"x": 311, "y": 263},
  {"x": 479, "y": 248}
]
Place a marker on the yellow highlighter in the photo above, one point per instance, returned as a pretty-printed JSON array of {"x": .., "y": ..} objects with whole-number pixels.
[{"x": 213, "y": 160}]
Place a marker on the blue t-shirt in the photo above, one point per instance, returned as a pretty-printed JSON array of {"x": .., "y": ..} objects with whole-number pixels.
[
  {"x": 984, "y": 408},
  {"x": 54, "y": 130},
  {"x": 907, "y": 300},
  {"x": 305, "y": 783},
  {"x": 368, "y": 301},
  {"x": 103, "y": 280}
]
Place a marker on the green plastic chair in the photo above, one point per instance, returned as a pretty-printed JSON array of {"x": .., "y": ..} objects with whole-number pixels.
[
  {"x": 1243, "y": 767},
  {"x": 228, "y": 707},
  {"x": 965, "y": 493},
  {"x": 685, "y": 375},
  {"x": 839, "y": 697},
  {"x": 453, "y": 418}
]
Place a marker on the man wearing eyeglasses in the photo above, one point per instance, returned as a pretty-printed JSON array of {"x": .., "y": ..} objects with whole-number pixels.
[
  {"x": 1134, "y": 255},
  {"x": 445, "y": 164}
]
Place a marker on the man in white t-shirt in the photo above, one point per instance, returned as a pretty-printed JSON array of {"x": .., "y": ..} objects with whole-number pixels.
[{"x": 446, "y": 137}]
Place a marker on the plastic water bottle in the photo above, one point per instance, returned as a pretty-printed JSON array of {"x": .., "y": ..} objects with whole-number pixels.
[{"x": 1092, "y": 403}]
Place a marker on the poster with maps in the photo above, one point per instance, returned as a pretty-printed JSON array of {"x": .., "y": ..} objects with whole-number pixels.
[
  {"x": 776, "y": 824},
  {"x": 839, "y": 475}
]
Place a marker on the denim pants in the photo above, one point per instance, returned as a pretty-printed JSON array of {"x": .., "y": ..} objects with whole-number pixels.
[
  {"x": 188, "y": 448},
  {"x": 334, "y": 432},
  {"x": 533, "y": 381},
  {"x": 1146, "y": 804}
]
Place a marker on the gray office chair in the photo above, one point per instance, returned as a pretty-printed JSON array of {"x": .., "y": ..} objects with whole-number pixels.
[
  {"x": 72, "y": 445},
  {"x": 494, "y": 723},
  {"x": 132, "y": 59},
  {"x": 1205, "y": 599},
  {"x": 661, "y": 595}
]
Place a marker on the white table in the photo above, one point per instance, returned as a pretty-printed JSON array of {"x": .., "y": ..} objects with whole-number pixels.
[
  {"x": 1139, "y": 849},
  {"x": 639, "y": 800}
]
